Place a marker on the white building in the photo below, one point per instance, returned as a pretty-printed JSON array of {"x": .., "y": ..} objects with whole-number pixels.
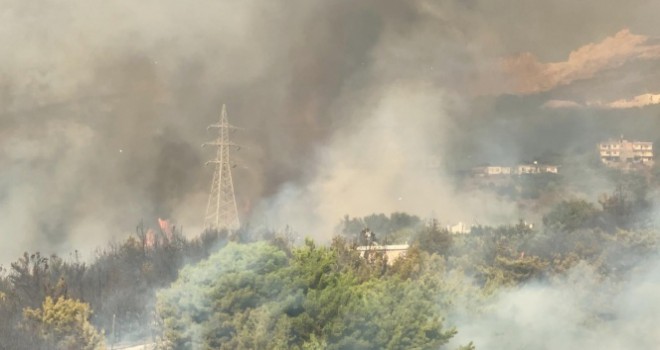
[
  {"x": 392, "y": 252},
  {"x": 520, "y": 169},
  {"x": 459, "y": 228},
  {"x": 624, "y": 154}
]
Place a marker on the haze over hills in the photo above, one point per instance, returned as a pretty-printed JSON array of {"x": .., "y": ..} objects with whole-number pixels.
[
  {"x": 102, "y": 109},
  {"x": 347, "y": 110}
]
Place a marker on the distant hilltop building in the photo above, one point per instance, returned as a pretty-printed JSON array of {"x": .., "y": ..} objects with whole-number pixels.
[
  {"x": 521, "y": 169},
  {"x": 626, "y": 154},
  {"x": 459, "y": 228}
]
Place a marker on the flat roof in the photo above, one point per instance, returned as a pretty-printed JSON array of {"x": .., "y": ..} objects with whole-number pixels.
[{"x": 384, "y": 247}]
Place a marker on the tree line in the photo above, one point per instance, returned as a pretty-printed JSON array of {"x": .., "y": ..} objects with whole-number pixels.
[{"x": 263, "y": 290}]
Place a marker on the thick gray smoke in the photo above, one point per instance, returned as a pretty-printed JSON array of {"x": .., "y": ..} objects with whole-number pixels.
[
  {"x": 582, "y": 310},
  {"x": 390, "y": 161},
  {"x": 443, "y": 88},
  {"x": 103, "y": 106}
]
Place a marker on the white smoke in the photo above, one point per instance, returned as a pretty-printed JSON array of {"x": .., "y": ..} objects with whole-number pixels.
[
  {"x": 582, "y": 310},
  {"x": 390, "y": 161}
]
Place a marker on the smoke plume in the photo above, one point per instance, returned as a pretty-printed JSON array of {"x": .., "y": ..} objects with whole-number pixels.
[
  {"x": 582, "y": 310},
  {"x": 103, "y": 107},
  {"x": 533, "y": 76}
]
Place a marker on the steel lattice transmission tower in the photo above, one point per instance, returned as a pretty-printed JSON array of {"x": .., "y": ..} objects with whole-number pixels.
[{"x": 221, "y": 211}]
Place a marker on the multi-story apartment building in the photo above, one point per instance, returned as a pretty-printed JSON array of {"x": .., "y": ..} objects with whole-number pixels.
[{"x": 623, "y": 153}]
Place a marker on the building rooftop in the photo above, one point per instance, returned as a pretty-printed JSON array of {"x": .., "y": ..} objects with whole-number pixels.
[{"x": 384, "y": 247}]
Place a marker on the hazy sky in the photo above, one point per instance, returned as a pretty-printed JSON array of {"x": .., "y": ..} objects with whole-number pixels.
[{"x": 104, "y": 105}]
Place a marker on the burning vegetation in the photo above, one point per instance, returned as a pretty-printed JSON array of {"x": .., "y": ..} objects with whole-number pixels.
[
  {"x": 267, "y": 289},
  {"x": 413, "y": 174}
]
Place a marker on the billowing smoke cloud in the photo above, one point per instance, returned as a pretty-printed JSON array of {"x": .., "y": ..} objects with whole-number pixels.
[
  {"x": 533, "y": 76},
  {"x": 391, "y": 161},
  {"x": 562, "y": 104},
  {"x": 103, "y": 106},
  {"x": 582, "y": 310},
  {"x": 635, "y": 102}
]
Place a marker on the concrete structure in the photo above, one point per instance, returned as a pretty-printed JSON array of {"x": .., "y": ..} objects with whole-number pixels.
[
  {"x": 520, "y": 169},
  {"x": 553, "y": 169},
  {"x": 459, "y": 228},
  {"x": 147, "y": 346},
  {"x": 536, "y": 168},
  {"x": 392, "y": 252},
  {"x": 497, "y": 170},
  {"x": 626, "y": 154},
  {"x": 528, "y": 169}
]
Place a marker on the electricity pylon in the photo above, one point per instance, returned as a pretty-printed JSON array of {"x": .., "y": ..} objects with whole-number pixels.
[{"x": 221, "y": 211}]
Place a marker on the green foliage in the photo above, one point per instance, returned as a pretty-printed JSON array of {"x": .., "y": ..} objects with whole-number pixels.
[
  {"x": 31, "y": 279},
  {"x": 433, "y": 239},
  {"x": 255, "y": 296},
  {"x": 392, "y": 314},
  {"x": 63, "y": 324},
  {"x": 572, "y": 215},
  {"x": 627, "y": 207},
  {"x": 120, "y": 283},
  {"x": 512, "y": 271},
  {"x": 230, "y": 294},
  {"x": 409, "y": 266},
  {"x": 277, "y": 295},
  {"x": 469, "y": 346},
  {"x": 534, "y": 186}
]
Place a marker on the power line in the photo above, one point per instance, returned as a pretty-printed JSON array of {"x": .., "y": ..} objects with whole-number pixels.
[{"x": 221, "y": 210}]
